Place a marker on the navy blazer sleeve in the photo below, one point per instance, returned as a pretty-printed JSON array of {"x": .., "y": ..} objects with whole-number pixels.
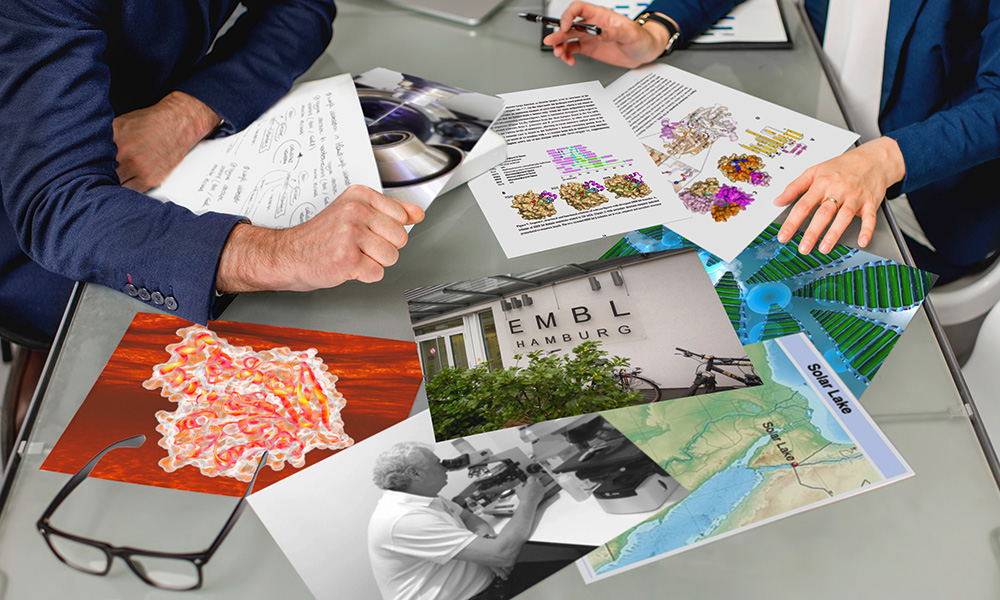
[
  {"x": 57, "y": 170},
  {"x": 693, "y": 16},
  {"x": 254, "y": 63},
  {"x": 953, "y": 87}
]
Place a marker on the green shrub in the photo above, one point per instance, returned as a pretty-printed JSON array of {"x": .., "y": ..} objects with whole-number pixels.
[{"x": 469, "y": 401}]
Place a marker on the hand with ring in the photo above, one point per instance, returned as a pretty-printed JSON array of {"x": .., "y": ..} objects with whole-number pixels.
[{"x": 835, "y": 191}]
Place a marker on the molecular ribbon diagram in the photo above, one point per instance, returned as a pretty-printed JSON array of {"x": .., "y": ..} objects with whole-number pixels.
[{"x": 233, "y": 403}]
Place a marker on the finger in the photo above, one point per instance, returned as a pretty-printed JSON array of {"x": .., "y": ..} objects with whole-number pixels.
[
  {"x": 574, "y": 10},
  {"x": 821, "y": 218},
  {"x": 379, "y": 250},
  {"x": 569, "y": 50},
  {"x": 390, "y": 207},
  {"x": 868, "y": 220},
  {"x": 414, "y": 214},
  {"x": 368, "y": 270},
  {"x": 840, "y": 223},
  {"x": 556, "y": 39},
  {"x": 797, "y": 216},
  {"x": 388, "y": 229}
]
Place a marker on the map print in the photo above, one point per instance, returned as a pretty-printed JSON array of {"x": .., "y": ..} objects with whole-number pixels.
[{"x": 747, "y": 455}]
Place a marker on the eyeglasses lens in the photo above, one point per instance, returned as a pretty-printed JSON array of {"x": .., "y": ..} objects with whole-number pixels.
[
  {"x": 86, "y": 558},
  {"x": 167, "y": 573}
]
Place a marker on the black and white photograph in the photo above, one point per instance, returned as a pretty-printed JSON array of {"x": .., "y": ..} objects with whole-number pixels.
[{"x": 480, "y": 517}]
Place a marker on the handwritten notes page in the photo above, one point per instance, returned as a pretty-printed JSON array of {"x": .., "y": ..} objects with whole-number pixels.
[
  {"x": 285, "y": 167},
  {"x": 574, "y": 172}
]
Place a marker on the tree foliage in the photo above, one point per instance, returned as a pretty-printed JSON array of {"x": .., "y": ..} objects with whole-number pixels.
[{"x": 468, "y": 401}]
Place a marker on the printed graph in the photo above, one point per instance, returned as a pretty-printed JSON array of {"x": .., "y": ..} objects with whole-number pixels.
[{"x": 579, "y": 158}]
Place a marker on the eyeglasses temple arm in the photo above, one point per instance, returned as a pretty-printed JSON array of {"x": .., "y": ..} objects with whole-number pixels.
[
  {"x": 132, "y": 442},
  {"x": 236, "y": 511}
]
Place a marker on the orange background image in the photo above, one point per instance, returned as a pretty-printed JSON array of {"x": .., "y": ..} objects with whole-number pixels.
[{"x": 378, "y": 378}]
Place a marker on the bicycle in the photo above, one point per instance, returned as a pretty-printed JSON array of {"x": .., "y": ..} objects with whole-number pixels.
[
  {"x": 704, "y": 374},
  {"x": 629, "y": 380}
]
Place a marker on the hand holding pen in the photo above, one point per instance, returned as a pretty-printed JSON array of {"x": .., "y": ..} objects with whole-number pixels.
[
  {"x": 587, "y": 27},
  {"x": 622, "y": 42}
]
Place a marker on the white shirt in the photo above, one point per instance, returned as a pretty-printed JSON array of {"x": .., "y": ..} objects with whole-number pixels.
[
  {"x": 855, "y": 44},
  {"x": 412, "y": 543}
]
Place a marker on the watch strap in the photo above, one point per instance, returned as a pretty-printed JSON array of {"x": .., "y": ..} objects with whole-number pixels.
[{"x": 675, "y": 34}]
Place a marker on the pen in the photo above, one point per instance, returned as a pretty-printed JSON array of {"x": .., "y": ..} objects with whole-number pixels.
[{"x": 591, "y": 29}]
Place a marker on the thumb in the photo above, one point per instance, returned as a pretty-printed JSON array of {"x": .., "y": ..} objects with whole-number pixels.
[{"x": 414, "y": 214}]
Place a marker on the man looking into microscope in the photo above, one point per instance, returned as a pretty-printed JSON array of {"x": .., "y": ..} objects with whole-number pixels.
[{"x": 425, "y": 547}]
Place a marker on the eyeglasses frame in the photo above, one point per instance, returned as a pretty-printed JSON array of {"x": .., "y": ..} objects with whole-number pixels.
[{"x": 198, "y": 559}]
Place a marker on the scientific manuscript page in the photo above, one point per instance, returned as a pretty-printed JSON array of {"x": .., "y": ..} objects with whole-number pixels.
[
  {"x": 574, "y": 172},
  {"x": 727, "y": 154}
]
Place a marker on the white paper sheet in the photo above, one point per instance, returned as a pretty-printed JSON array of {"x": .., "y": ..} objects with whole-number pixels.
[
  {"x": 727, "y": 154},
  {"x": 285, "y": 167},
  {"x": 573, "y": 173}
]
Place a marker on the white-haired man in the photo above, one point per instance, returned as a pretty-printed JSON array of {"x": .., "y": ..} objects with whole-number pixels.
[{"x": 425, "y": 547}]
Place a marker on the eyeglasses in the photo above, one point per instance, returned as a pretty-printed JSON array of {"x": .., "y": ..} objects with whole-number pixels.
[{"x": 164, "y": 570}]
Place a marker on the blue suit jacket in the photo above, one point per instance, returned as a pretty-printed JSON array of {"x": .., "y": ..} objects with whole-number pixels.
[
  {"x": 67, "y": 68},
  {"x": 940, "y": 102}
]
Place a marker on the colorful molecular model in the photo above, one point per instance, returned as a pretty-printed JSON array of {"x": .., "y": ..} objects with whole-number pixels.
[
  {"x": 534, "y": 206},
  {"x": 698, "y": 131},
  {"x": 747, "y": 168},
  {"x": 582, "y": 196},
  {"x": 627, "y": 186},
  {"x": 233, "y": 403},
  {"x": 708, "y": 196}
]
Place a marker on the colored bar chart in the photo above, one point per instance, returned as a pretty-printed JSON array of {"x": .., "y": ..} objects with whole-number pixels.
[{"x": 574, "y": 159}]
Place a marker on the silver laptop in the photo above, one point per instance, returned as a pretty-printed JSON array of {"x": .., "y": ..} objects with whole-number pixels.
[{"x": 467, "y": 12}]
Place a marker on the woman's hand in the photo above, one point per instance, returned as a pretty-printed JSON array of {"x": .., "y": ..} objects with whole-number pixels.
[
  {"x": 622, "y": 41},
  {"x": 852, "y": 184}
]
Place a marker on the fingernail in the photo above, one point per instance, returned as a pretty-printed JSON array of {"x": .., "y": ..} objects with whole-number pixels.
[
  {"x": 825, "y": 247},
  {"x": 863, "y": 241},
  {"x": 804, "y": 249}
]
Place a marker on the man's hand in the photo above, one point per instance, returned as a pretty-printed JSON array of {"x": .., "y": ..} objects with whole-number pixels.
[
  {"x": 355, "y": 237},
  {"x": 531, "y": 492},
  {"x": 857, "y": 180},
  {"x": 152, "y": 141},
  {"x": 622, "y": 41}
]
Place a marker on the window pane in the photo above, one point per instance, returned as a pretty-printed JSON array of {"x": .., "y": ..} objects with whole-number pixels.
[
  {"x": 431, "y": 358},
  {"x": 78, "y": 555},
  {"x": 458, "y": 351},
  {"x": 438, "y": 327},
  {"x": 168, "y": 573},
  {"x": 492, "y": 343}
]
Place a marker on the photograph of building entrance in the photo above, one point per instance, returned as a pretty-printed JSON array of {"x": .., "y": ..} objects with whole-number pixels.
[{"x": 513, "y": 349}]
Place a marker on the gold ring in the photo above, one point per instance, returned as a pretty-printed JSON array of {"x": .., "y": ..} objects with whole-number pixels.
[{"x": 832, "y": 199}]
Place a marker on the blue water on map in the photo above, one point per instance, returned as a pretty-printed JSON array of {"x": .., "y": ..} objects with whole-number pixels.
[
  {"x": 785, "y": 373},
  {"x": 697, "y": 514}
]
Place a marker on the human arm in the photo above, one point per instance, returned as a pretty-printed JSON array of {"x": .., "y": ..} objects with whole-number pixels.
[
  {"x": 266, "y": 49},
  {"x": 625, "y": 43},
  {"x": 502, "y": 551},
  {"x": 59, "y": 187},
  {"x": 355, "y": 237},
  {"x": 941, "y": 110},
  {"x": 477, "y": 525}
]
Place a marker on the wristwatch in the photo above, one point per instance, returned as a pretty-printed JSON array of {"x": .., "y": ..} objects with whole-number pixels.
[{"x": 675, "y": 34}]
